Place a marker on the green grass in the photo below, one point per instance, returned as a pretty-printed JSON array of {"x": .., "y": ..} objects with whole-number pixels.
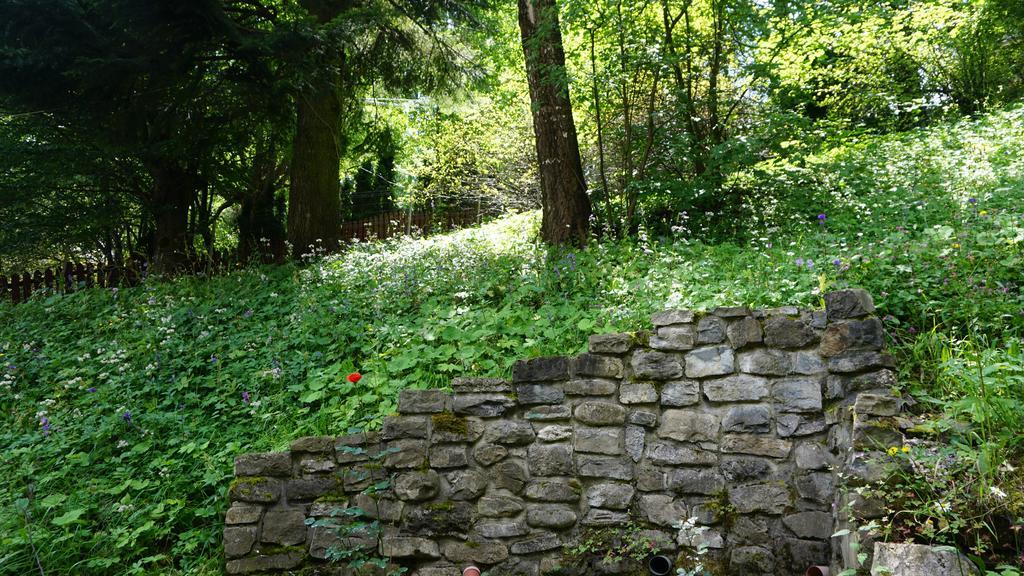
[{"x": 109, "y": 495}]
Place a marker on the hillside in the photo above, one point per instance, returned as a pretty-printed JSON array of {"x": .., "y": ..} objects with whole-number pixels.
[{"x": 122, "y": 409}]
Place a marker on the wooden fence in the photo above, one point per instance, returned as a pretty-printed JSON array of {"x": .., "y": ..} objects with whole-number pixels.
[{"x": 75, "y": 276}]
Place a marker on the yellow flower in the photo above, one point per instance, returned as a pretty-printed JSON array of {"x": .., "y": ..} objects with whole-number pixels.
[
  {"x": 983, "y": 213},
  {"x": 956, "y": 245},
  {"x": 906, "y": 449},
  {"x": 893, "y": 450}
]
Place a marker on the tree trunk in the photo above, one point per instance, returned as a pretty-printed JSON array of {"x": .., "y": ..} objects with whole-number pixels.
[
  {"x": 314, "y": 202},
  {"x": 174, "y": 190},
  {"x": 566, "y": 207}
]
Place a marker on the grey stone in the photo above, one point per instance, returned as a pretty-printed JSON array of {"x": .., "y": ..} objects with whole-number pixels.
[
  {"x": 643, "y": 418},
  {"x": 731, "y": 311},
  {"x": 485, "y": 405},
  {"x": 634, "y": 442},
  {"x": 604, "y": 440},
  {"x": 756, "y": 445},
  {"x": 510, "y": 475},
  {"x": 921, "y": 560},
  {"x": 816, "y": 486},
  {"x": 438, "y": 519},
  {"x": 264, "y": 464},
  {"x": 323, "y": 538},
  {"x": 423, "y": 401},
  {"x": 797, "y": 395},
  {"x": 465, "y": 484},
  {"x": 744, "y": 469},
  {"x": 602, "y": 517},
  {"x": 539, "y": 394},
  {"x": 547, "y": 413},
  {"x": 238, "y": 540},
  {"x": 255, "y": 489},
  {"x": 811, "y": 456},
  {"x": 877, "y": 404},
  {"x": 600, "y": 366},
  {"x": 669, "y": 317},
  {"x": 748, "y": 530},
  {"x": 285, "y": 526},
  {"x": 590, "y": 387},
  {"x": 807, "y": 363},
  {"x": 814, "y": 525},
  {"x": 710, "y": 330},
  {"x": 360, "y": 476},
  {"x": 464, "y": 385},
  {"x": 314, "y": 464},
  {"x": 406, "y": 454},
  {"x": 860, "y": 361},
  {"x": 376, "y": 507},
  {"x": 449, "y": 428},
  {"x": 737, "y": 388},
  {"x": 541, "y": 370},
  {"x": 554, "y": 433},
  {"x": 497, "y": 505},
  {"x": 875, "y": 435},
  {"x": 539, "y": 543},
  {"x": 782, "y": 311},
  {"x": 501, "y": 528},
  {"x": 799, "y": 424},
  {"x": 769, "y": 498},
  {"x": 867, "y": 334},
  {"x": 782, "y": 332},
  {"x": 802, "y": 553},
  {"x": 695, "y": 481},
  {"x": 752, "y": 561},
  {"x": 608, "y": 467},
  {"x": 765, "y": 362},
  {"x": 852, "y": 303},
  {"x": 689, "y": 426},
  {"x": 417, "y": 486},
  {"x": 744, "y": 332},
  {"x": 448, "y": 456},
  {"x": 674, "y": 338},
  {"x": 509, "y": 432},
  {"x": 600, "y": 413},
  {"x": 548, "y": 516},
  {"x": 610, "y": 343},
  {"x": 752, "y": 418},
  {"x": 400, "y": 427},
  {"x": 408, "y": 547},
  {"x": 548, "y": 490},
  {"x": 265, "y": 562},
  {"x": 487, "y": 454},
  {"x": 650, "y": 478},
  {"x": 314, "y": 444},
  {"x": 613, "y": 496},
  {"x": 662, "y": 510},
  {"x": 655, "y": 365},
  {"x": 478, "y": 552},
  {"x": 550, "y": 459},
  {"x": 839, "y": 385},
  {"x": 240, "y": 513},
  {"x": 710, "y": 361},
  {"x": 637, "y": 393},
  {"x": 680, "y": 393},
  {"x": 670, "y": 454}
]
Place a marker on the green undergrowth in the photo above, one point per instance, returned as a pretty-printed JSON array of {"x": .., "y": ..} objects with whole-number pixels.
[{"x": 122, "y": 410}]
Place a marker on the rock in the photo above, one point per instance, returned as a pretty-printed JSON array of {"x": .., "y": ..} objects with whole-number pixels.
[
  {"x": 438, "y": 519},
  {"x": 547, "y": 490},
  {"x": 264, "y": 464},
  {"x": 807, "y": 363},
  {"x": 448, "y": 456},
  {"x": 375, "y": 507},
  {"x": 667, "y": 453},
  {"x": 711, "y": 361},
  {"x": 839, "y": 385},
  {"x": 406, "y": 454},
  {"x": 417, "y": 486},
  {"x": 554, "y": 433},
  {"x": 539, "y": 543},
  {"x": 238, "y": 540},
  {"x": 600, "y": 413},
  {"x": 921, "y": 560},
  {"x": 465, "y": 484},
  {"x": 867, "y": 334},
  {"x": 634, "y": 442},
  {"x": 689, "y": 426},
  {"x": 740, "y": 469},
  {"x": 670, "y": 317},
  {"x": 852, "y": 303},
  {"x": 550, "y": 459},
  {"x": 496, "y": 505},
  {"x": 608, "y": 467},
  {"x": 650, "y": 478},
  {"x": 604, "y": 440},
  {"x": 546, "y": 413},
  {"x": 695, "y": 481},
  {"x": 479, "y": 552},
  {"x": 765, "y": 361},
  {"x": 737, "y": 388},
  {"x": 769, "y": 498},
  {"x": 541, "y": 370},
  {"x": 876, "y": 435},
  {"x": 751, "y": 561},
  {"x": 313, "y": 444},
  {"x": 510, "y": 432},
  {"x": 401, "y": 427},
  {"x": 860, "y": 361},
  {"x": 487, "y": 405},
  {"x": 811, "y": 456},
  {"x": 710, "y": 330},
  {"x": 255, "y": 489},
  {"x": 600, "y": 366},
  {"x": 610, "y": 495},
  {"x": 782, "y": 332},
  {"x": 487, "y": 454},
  {"x": 674, "y": 338},
  {"x": 423, "y": 401},
  {"x": 408, "y": 547},
  {"x": 285, "y": 526},
  {"x": 797, "y": 395},
  {"x": 744, "y": 332},
  {"x": 814, "y": 525},
  {"x": 643, "y": 418},
  {"x": 747, "y": 530},
  {"x": 731, "y": 311},
  {"x": 240, "y": 513},
  {"x": 449, "y": 428},
  {"x": 464, "y": 385},
  {"x": 816, "y": 486},
  {"x": 548, "y": 516},
  {"x": 638, "y": 393},
  {"x": 268, "y": 562},
  {"x": 655, "y": 365},
  {"x": 662, "y": 510},
  {"x": 803, "y": 553},
  {"x": 323, "y": 538},
  {"x": 610, "y": 343},
  {"x": 313, "y": 464},
  {"x": 680, "y": 393},
  {"x": 501, "y": 528},
  {"x": 601, "y": 517},
  {"x": 755, "y": 445},
  {"x": 510, "y": 475},
  {"x": 877, "y": 404},
  {"x": 799, "y": 425},
  {"x": 749, "y": 418},
  {"x": 590, "y": 387},
  {"x": 539, "y": 394}
]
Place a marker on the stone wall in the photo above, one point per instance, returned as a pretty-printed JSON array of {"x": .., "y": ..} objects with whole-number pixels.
[{"x": 739, "y": 418}]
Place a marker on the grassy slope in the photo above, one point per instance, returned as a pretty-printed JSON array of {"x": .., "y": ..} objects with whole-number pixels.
[{"x": 119, "y": 495}]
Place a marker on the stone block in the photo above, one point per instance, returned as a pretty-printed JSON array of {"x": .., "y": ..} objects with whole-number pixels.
[
  {"x": 610, "y": 343},
  {"x": 739, "y": 469},
  {"x": 680, "y": 393},
  {"x": 643, "y": 418},
  {"x": 547, "y": 413},
  {"x": 590, "y": 387},
  {"x": 634, "y": 442},
  {"x": 756, "y": 445},
  {"x": 286, "y": 527},
  {"x": 670, "y": 317},
  {"x": 695, "y": 481},
  {"x": 671, "y": 454},
  {"x": 423, "y": 401},
  {"x": 807, "y": 363},
  {"x": 600, "y": 517},
  {"x": 812, "y": 525},
  {"x": 744, "y": 332},
  {"x": 754, "y": 418},
  {"x": 751, "y": 561},
  {"x": 400, "y": 427},
  {"x": 402, "y": 547},
  {"x": 475, "y": 552},
  {"x": 674, "y": 338},
  {"x": 867, "y": 334},
  {"x": 510, "y": 475},
  {"x": 313, "y": 444},
  {"x": 554, "y": 433},
  {"x": 852, "y": 303},
  {"x": 550, "y": 459},
  {"x": 654, "y": 365},
  {"x": 436, "y": 519},
  {"x": 539, "y": 543},
  {"x": 736, "y": 388},
  {"x": 541, "y": 370},
  {"x": 764, "y": 361},
  {"x": 816, "y": 486},
  {"x": 311, "y": 488},
  {"x": 731, "y": 311},
  {"x": 860, "y": 361},
  {"x": 768, "y": 498},
  {"x": 876, "y": 404},
  {"x": 238, "y": 540},
  {"x": 484, "y": 405},
  {"x": 502, "y": 528},
  {"x": 782, "y": 332},
  {"x": 406, "y": 454},
  {"x": 599, "y": 366},
  {"x": 549, "y": 490},
  {"x": 528, "y": 394},
  {"x": 417, "y": 486},
  {"x": 264, "y": 464},
  {"x": 448, "y": 456},
  {"x": 710, "y": 330},
  {"x": 710, "y": 361},
  {"x": 811, "y": 456},
  {"x": 509, "y": 432},
  {"x": 255, "y": 489},
  {"x": 608, "y": 467},
  {"x": 689, "y": 426},
  {"x": 265, "y": 562},
  {"x": 465, "y": 484},
  {"x": 637, "y": 393},
  {"x": 662, "y": 510},
  {"x": 240, "y": 513},
  {"x": 600, "y": 413},
  {"x": 499, "y": 505},
  {"x": 447, "y": 428},
  {"x": 552, "y": 516},
  {"x": 921, "y": 560},
  {"x": 465, "y": 385},
  {"x": 603, "y": 440},
  {"x": 797, "y": 394},
  {"x": 487, "y": 454},
  {"x": 611, "y": 495}
]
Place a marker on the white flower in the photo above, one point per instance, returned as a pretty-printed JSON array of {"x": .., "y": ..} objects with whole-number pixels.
[
  {"x": 943, "y": 506},
  {"x": 122, "y": 443},
  {"x": 995, "y": 491}
]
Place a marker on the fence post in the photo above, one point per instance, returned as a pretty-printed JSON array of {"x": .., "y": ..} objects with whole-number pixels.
[
  {"x": 48, "y": 279},
  {"x": 69, "y": 278},
  {"x": 3, "y": 287},
  {"x": 26, "y": 286}
]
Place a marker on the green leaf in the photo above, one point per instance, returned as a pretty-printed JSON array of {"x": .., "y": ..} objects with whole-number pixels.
[{"x": 69, "y": 517}]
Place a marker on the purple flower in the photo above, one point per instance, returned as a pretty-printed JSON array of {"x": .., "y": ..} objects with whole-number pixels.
[
  {"x": 821, "y": 218},
  {"x": 837, "y": 262},
  {"x": 247, "y": 313},
  {"x": 213, "y": 358},
  {"x": 810, "y": 263},
  {"x": 45, "y": 423},
  {"x": 912, "y": 330},
  {"x": 245, "y": 397},
  {"x": 127, "y": 416},
  {"x": 799, "y": 261},
  {"x": 972, "y": 200},
  {"x": 90, "y": 389}
]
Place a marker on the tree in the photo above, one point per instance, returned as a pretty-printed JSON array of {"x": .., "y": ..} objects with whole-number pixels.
[{"x": 564, "y": 200}]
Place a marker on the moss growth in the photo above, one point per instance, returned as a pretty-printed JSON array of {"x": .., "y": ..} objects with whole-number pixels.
[
  {"x": 723, "y": 508},
  {"x": 448, "y": 422},
  {"x": 440, "y": 506},
  {"x": 271, "y": 550}
]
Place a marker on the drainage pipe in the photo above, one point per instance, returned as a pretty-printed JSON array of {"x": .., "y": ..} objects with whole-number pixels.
[
  {"x": 659, "y": 565},
  {"x": 817, "y": 571},
  {"x": 471, "y": 571}
]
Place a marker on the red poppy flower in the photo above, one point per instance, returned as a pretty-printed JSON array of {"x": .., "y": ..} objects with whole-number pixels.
[{"x": 354, "y": 377}]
